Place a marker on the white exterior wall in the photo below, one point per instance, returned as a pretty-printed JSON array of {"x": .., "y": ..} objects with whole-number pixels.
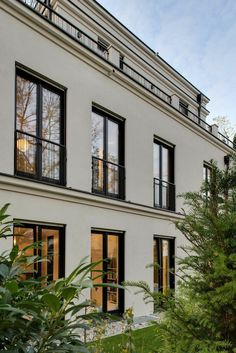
[{"x": 89, "y": 83}]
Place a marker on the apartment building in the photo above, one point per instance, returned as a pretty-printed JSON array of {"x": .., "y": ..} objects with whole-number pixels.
[{"x": 98, "y": 136}]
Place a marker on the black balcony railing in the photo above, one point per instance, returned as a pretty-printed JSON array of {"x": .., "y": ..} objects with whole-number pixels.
[
  {"x": 108, "y": 178},
  {"x": 44, "y": 9},
  {"x": 226, "y": 140},
  {"x": 164, "y": 194},
  {"x": 136, "y": 76},
  {"x": 39, "y": 158}
]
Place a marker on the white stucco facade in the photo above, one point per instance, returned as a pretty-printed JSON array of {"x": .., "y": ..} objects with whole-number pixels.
[{"x": 29, "y": 40}]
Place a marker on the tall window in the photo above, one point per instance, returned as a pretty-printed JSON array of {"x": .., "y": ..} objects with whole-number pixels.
[
  {"x": 163, "y": 164},
  {"x": 108, "y": 172},
  {"x": 51, "y": 247},
  {"x": 40, "y": 137},
  {"x": 164, "y": 264},
  {"x": 108, "y": 246},
  {"x": 207, "y": 174}
]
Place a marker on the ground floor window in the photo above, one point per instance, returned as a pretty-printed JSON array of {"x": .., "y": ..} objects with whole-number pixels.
[
  {"x": 51, "y": 247},
  {"x": 108, "y": 246},
  {"x": 164, "y": 264}
]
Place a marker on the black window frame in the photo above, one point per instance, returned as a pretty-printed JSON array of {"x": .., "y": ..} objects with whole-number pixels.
[
  {"x": 121, "y": 153},
  {"x": 171, "y": 181},
  {"x": 121, "y": 272},
  {"x": 183, "y": 107},
  {"x": 37, "y": 227},
  {"x": 42, "y": 82},
  {"x": 171, "y": 240}
]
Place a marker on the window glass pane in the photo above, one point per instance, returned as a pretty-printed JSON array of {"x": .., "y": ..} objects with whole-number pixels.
[
  {"x": 165, "y": 194},
  {"x": 165, "y": 164},
  {"x": 113, "y": 179},
  {"x": 24, "y": 237},
  {"x": 50, "y": 161},
  {"x": 156, "y": 160},
  {"x": 113, "y": 272},
  {"x": 96, "y": 255},
  {"x": 26, "y": 153},
  {"x": 165, "y": 265},
  {"x": 26, "y": 98},
  {"x": 156, "y": 263},
  {"x": 98, "y": 175},
  {"x": 113, "y": 142},
  {"x": 50, "y": 251},
  {"x": 51, "y": 116},
  {"x": 97, "y": 136}
]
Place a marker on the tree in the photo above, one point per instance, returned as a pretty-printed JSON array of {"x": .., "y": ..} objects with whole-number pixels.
[
  {"x": 201, "y": 316},
  {"x": 34, "y": 316},
  {"x": 225, "y": 126}
]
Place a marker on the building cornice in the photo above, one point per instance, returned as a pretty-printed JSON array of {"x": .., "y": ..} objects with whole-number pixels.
[
  {"x": 19, "y": 185},
  {"x": 50, "y": 32}
]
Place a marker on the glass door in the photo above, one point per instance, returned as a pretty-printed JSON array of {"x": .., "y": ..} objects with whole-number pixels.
[{"x": 108, "y": 247}]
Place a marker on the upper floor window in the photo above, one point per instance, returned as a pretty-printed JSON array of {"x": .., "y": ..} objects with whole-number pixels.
[
  {"x": 51, "y": 248},
  {"x": 40, "y": 135},
  {"x": 183, "y": 107},
  {"x": 108, "y": 171},
  {"x": 207, "y": 174},
  {"x": 207, "y": 170},
  {"x": 164, "y": 188}
]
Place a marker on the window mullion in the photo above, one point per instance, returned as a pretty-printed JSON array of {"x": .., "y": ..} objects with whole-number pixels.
[
  {"x": 39, "y": 130},
  {"x": 160, "y": 182},
  {"x": 104, "y": 257},
  {"x": 105, "y": 155}
]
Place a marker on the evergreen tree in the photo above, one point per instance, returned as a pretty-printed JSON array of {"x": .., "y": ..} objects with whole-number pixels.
[{"x": 202, "y": 316}]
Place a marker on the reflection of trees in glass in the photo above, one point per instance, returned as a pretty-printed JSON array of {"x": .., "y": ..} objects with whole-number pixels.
[
  {"x": 26, "y": 105},
  {"x": 44, "y": 126}
]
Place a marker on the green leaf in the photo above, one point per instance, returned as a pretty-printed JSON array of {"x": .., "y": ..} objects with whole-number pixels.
[
  {"x": 4, "y": 270},
  {"x": 12, "y": 286},
  {"x": 14, "y": 252},
  {"x": 69, "y": 293},
  {"x": 52, "y": 301}
]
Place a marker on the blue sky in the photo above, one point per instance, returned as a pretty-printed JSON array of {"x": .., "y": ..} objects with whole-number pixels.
[{"x": 196, "y": 37}]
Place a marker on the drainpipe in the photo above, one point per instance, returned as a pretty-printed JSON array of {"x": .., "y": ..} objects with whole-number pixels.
[{"x": 199, "y": 100}]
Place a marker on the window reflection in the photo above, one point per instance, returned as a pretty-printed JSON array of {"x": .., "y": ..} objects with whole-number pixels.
[
  {"x": 51, "y": 116},
  {"x": 26, "y": 105},
  {"x": 46, "y": 242},
  {"x": 163, "y": 257},
  {"x": 107, "y": 168},
  {"x": 105, "y": 246},
  {"x": 39, "y": 120}
]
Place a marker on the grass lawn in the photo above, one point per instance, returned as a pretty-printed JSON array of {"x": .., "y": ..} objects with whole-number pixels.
[{"x": 144, "y": 340}]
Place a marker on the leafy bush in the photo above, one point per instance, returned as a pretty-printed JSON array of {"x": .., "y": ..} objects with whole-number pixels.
[
  {"x": 201, "y": 316},
  {"x": 35, "y": 317}
]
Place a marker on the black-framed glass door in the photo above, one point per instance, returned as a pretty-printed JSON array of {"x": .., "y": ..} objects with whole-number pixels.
[
  {"x": 108, "y": 246},
  {"x": 50, "y": 247},
  {"x": 164, "y": 264},
  {"x": 108, "y": 171}
]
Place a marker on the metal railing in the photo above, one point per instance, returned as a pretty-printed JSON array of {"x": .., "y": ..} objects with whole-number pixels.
[
  {"x": 136, "y": 76},
  {"x": 194, "y": 117},
  {"x": 108, "y": 178},
  {"x": 44, "y": 9},
  {"x": 226, "y": 140},
  {"x": 39, "y": 158},
  {"x": 164, "y": 194}
]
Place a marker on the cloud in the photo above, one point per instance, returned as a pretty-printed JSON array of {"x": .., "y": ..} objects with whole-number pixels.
[{"x": 198, "y": 38}]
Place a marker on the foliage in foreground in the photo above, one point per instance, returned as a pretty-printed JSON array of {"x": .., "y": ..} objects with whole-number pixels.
[
  {"x": 201, "y": 316},
  {"x": 34, "y": 316}
]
